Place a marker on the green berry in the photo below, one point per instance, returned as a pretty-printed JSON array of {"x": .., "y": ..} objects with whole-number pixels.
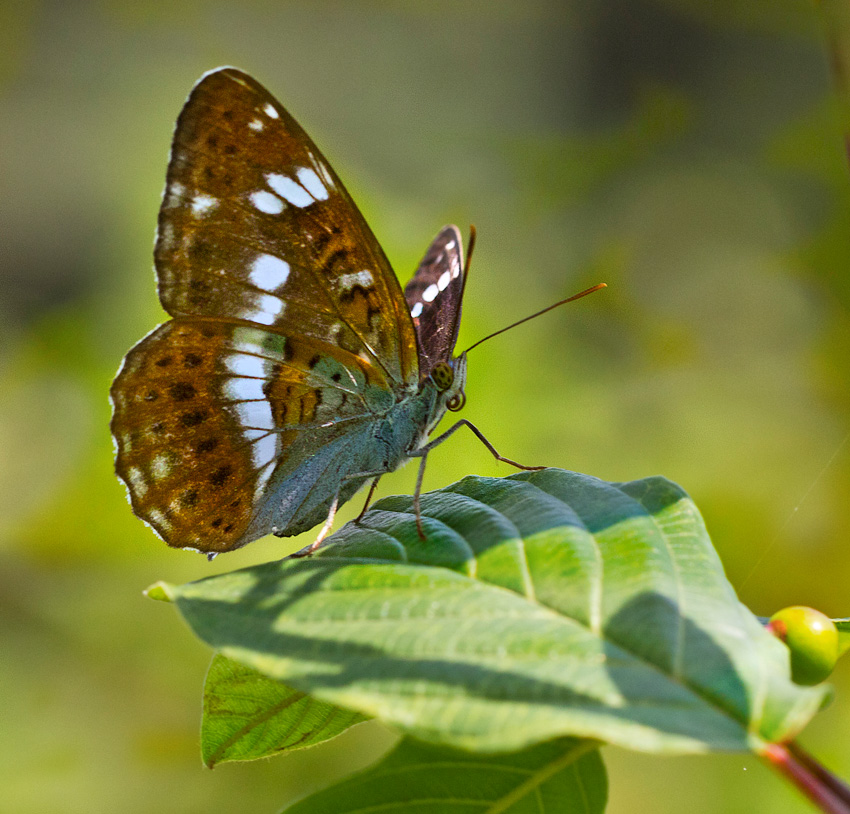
[{"x": 812, "y": 639}]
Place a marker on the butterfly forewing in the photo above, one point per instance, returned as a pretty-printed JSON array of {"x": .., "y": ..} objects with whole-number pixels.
[
  {"x": 291, "y": 336},
  {"x": 434, "y": 298},
  {"x": 256, "y": 226}
]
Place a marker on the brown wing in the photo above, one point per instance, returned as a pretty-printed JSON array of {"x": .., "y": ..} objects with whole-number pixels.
[
  {"x": 434, "y": 297},
  {"x": 256, "y": 226},
  {"x": 206, "y": 410}
]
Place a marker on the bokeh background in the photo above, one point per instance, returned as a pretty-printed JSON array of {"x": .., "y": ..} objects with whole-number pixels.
[{"x": 687, "y": 153}]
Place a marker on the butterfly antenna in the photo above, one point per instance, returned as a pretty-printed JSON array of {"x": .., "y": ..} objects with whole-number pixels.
[
  {"x": 538, "y": 313},
  {"x": 473, "y": 232}
]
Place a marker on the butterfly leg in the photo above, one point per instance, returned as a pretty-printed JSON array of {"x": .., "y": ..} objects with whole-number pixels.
[
  {"x": 368, "y": 499},
  {"x": 423, "y": 451},
  {"x": 308, "y": 550},
  {"x": 416, "y": 492}
]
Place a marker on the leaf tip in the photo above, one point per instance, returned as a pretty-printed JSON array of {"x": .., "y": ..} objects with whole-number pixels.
[{"x": 160, "y": 591}]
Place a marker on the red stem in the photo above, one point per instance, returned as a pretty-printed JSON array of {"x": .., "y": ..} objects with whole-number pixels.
[{"x": 824, "y": 789}]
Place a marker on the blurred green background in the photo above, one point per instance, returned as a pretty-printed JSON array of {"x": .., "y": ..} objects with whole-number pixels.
[{"x": 687, "y": 153}]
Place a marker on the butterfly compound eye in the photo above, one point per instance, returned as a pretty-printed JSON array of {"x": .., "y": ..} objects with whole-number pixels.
[
  {"x": 443, "y": 376},
  {"x": 457, "y": 401}
]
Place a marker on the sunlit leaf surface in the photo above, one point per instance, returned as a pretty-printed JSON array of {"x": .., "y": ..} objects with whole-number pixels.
[{"x": 543, "y": 604}]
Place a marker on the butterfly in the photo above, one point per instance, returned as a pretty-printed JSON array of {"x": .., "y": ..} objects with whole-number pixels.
[{"x": 293, "y": 369}]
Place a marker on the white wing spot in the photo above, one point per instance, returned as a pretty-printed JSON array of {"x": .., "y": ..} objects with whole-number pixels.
[
  {"x": 443, "y": 282},
  {"x": 314, "y": 184},
  {"x": 137, "y": 481},
  {"x": 250, "y": 340},
  {"x": 269, "y": 272},
  {"x": 362, "y": 278},
  {"x": 245, "y": 365},
  {"x": 255, "y": 415},
  {"x": 289, "y": 190},
  {"x": 266, "y": 202},
  {"x": 416, "y": 310},
  {"x": 262, "y": 480},
  {"x": 253, "y": 410},
  {"x": 240, "y": 389},
  {"x": 256, "y": 125},
  {"x": 158, "y": 517},
  {"x": 263, "y": 447},
  {"x": 160, "y": 466},
  {"x": 166, "y": 235},
  {"x": 325, "y": 173},
  {"x": 201, "y": 204},
  {"x": 268, "y": 309},
  {"x": 450, "y": 244},
  {"x": 335, "y": 332},
  {"x": 173, "y": 195},
  {"x": 270, "y": 111},
  {"x": 430, "y": 293}
]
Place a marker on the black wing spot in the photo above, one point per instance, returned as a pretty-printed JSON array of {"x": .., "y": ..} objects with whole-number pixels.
[
  {"x": 182, "y": 391},
  {"x": 337, "y": 376},
  {"x": 165, "y": 361},
  {"x": 192, "y": 360},
  {"x": 217, "y": 522},
  {"x": 207, "y": 445},
  {"x": 189, "y": 498},
  {"x": 221, "y": 475},
  {"x": 195, "y": 418},
  {"x": 335, "y": 257},
  {"x": 199, "y": 250}
]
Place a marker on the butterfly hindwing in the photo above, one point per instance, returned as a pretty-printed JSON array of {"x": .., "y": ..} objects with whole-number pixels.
[
  {"x": 207, "y": 411},
  {"x": 434, "y": 296},
  {"x": 255, "y": 225}
]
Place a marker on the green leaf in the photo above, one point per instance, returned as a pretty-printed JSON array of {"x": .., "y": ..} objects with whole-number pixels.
[
  {"x": 249, "y": 716},
  {"x": 565, "y": 776},
  {"x": 843, "y": 626},
  {"x": 542, "y": 604}
]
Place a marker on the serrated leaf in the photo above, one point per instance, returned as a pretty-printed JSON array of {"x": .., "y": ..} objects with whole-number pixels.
[
  {"x": 560, "y": 777},
  {"x": 248, "y": 715},
  {"x": 542, "y": 604}
]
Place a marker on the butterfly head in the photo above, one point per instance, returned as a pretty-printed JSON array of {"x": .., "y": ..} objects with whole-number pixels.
[{"x": 450, "y": 378}]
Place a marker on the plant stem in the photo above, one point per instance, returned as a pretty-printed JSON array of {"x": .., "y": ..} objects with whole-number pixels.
[{"x": 830, "y": 794}]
